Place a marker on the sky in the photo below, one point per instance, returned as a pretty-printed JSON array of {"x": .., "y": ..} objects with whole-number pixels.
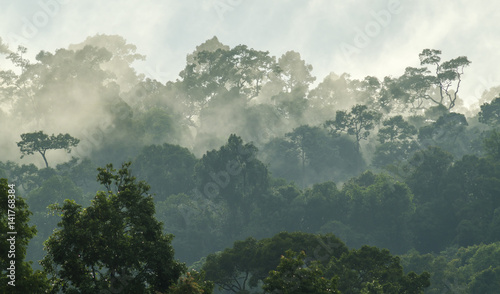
[{"x": 360, "y": 37}]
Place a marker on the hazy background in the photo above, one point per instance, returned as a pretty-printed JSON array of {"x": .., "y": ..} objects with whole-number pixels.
[{"x": 166, "y": 31}]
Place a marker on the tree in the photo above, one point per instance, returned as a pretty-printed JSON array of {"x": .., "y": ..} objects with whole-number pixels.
[
  {"x": 490, "y": 113},
  {"x": 116, "y": 244},
  {"x": 292, "y": 79},
  {"x": 53, "y": 190},
  {"x": 433, "y": 223},
  {"x": 373, "y": 270},
  {"x": 193, "y": 283},
  {"x": 41, "y": 142},
  {"x": 233, "y": 268},
  {"x": 167, "y": 168},
  {"x": 122, "y": 56},
  {"x": 41, "y": 90},
  {"x": 470, "y": 188},
  {"x": 492, "y": 145},
  {"x": 413, "y": 88},
  {"x": 186, "y": 285},
  {"x": 232, "y": 175},
  {"x": 209, "y": 71},
  {"x": 396, "y": 138},
  {"x": 448, "y": 133},
  {"x": 396, "y": 129},
  {"x": 421, "y": 88},
  {"x": 359, "y": 122},
  {"x": 320, "y": 204},
  {"x": 446, "y": 74},
  {"x": 248, "y": 262},
  {"x": 15, "y": 217},
  {"x": 292, "y": 276},
  {"x": 307, "y": 141},
  {"x": 379, "y": 209}
]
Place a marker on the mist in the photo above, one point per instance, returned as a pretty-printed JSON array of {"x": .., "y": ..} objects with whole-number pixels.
[{"x": 245, "y": 131}]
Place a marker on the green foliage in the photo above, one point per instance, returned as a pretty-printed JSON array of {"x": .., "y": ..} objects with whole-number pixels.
[
  {"x": 292, "y": 276},
  {"x": 308, "y": 155},
  {"x": 234, "y": 176},
  {"x": 53, "y": 191},
  {"x": 492, "y": 145},
  {"x": 471, "y": 269},
  {"x": 396, "y": 129},
  {"x": 40, "y": 142},
  {"x": 447, "y": 73},
  {"x": 379, "y": 209},
  {"x": 196, "y": 224},
  {"x": 240, "y": 67},
  {"x": 372, "y": 270},
  {"x": 490, "y": 113},
  {"x": 439, "y": 201},
  {"x": 433, "y": 221},
  {"x": 448, "y": 132},
  {"x": 307, "y": 142},
  {"x": 248, "y": 262},
  {"x": 358, "y": 122},
  {"x": 320, "y": 203},
  {"x": 116, "y": 243},
  {"x": 396, "y": 138},
  {"x": 420, "y": 89},
  {"x": 167, "y": 168},
  {"x": 192, "y": 284}
]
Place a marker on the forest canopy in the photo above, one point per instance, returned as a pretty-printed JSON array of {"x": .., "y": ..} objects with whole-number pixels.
[{"x": 246, "y": 170}]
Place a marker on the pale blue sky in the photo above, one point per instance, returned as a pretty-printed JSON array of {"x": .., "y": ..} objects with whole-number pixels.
[{"x": 360, "y": 37}]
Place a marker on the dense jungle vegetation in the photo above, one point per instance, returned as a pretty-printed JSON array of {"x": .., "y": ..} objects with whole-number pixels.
[{"x": 245, "y": 175}]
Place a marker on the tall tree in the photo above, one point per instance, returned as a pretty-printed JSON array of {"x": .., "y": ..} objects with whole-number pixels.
[
  {"x": 490, "y": 113},
  {"x": 374, "y": 270},
  {"x": 292, "y": 276},
  {"x": 120, "y": 62},
  {"x": 292, "y": 78},
  {"x": 397, "y": 141},
  {"x": 433, "y": 223},
  {"x": 116, "y": 244},
  {"x": 41, "y": 142},
  {"x": 396, "y": 129},
  {"x": 448, "y": 74},
  {"x": 358, "y": 122},
  {"x": 492, "y": 145},
  {"x": 248, "y": 262},
  {"x": 423, "y": 88},
  {"x": 210, "y": 71},
  {"x": 447, "y": 132},
  {"x": 232, "y": 175},
  {"x": 294, "y": 72},
  {"x": 167, "y": 168},
  {"x": 304, "y": 140}
]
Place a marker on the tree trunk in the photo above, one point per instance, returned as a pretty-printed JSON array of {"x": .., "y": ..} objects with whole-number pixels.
[{"x": 44, "y": 159}]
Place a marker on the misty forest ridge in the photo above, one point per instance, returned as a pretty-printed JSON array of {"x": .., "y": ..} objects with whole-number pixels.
[{"x": 243, "y": 172}]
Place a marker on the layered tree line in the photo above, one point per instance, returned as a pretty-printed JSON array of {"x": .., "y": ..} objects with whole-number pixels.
[{"x": 249, "y": 172}]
